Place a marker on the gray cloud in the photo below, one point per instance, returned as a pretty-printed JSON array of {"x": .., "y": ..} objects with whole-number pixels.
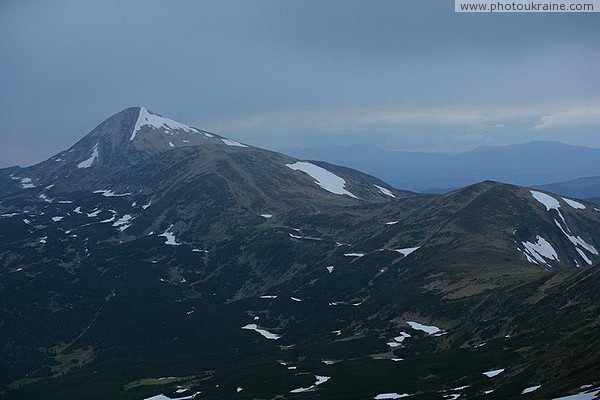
[{"x": 410, "y": 74}]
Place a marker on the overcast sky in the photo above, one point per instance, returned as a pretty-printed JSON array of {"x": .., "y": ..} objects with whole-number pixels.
[{"x": 406, "y": 75}]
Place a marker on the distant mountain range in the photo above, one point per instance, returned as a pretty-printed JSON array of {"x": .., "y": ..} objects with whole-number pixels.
[
  {"x": 157, "y": 261},
  {"x": 529, "y": 164}
]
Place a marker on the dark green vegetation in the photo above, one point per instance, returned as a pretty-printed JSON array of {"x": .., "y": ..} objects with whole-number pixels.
[{"x": 90, "y": 310}]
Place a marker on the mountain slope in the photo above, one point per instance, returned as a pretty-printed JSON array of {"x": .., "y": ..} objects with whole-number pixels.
[{"x": 243, "y": 273}]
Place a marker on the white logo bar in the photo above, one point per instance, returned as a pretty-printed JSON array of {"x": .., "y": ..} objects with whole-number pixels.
[{"x": 499, "y": 6}]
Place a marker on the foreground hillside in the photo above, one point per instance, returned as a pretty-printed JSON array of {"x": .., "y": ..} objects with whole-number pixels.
[{"x": 155, "y": 259}]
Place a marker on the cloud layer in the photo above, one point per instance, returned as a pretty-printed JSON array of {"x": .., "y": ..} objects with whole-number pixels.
[{"x": 405, "y": 74}]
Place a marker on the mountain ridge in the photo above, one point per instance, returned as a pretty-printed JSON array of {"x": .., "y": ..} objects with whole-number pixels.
[{"x": 240, "y": 272}]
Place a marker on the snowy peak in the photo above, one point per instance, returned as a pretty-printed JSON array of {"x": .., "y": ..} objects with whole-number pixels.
[
  {"x": 153, "y": 130},
  {"x": 151, "y": 120}
]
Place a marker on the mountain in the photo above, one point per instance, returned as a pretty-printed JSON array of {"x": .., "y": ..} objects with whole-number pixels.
[
  {"x": 582, "y": 188},
  {"x": 525, "y": 164},
  {"x": 136, "y": 135},
  {"x": 214, "y": 269}
]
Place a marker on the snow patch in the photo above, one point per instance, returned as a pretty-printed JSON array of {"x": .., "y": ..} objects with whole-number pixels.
[
  {"x": 408, "y": 250},
  {"x": 429, "y": 329},
  {"x": 110, "y": 193},
  {"x": 123, "y": 222},
  {"x": 267, "y": 216},
  {"x": 577, "y": 240},
  {"x": 548, "y": 201},
  {"x": 327, "y": 180},
  {"x": 26, "y": 183},
  {"x": 354, "y": 254},
  {"x": 575, "y": 204},
  {"x": 330, "y": 269},
  {"x": 94, "y": 213},
  {"x": 45, "y": 198},
  {"x": 171, "y": 240},
  {"x": 263, "y": 332},
  {"x": 531, "y": 389},
  {"x": 540, "y": 250},
  {"x": 384, "y": 396},
  {"x": 230, "y": 142},
  {"x": 56, "y": 219},
  {"x": 319, "y": 381},
  {"x": 392, "y": 222},
  {"x": 111, "y": 219},
  {"x": 402, "y": 337},
  {"x": 8, "y": 215},
  {"x": 304, "y": 237},
  {"x": 385, "y": 191},
  {"x": 90, "y": 161},
  {"x": 494, "y": 372},
  {"x": 584, "y": 256},
  {"x": 163, "y": 397},
  {"x": 155, "y": 121}
]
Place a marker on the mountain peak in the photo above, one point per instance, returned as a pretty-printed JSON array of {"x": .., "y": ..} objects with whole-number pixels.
[
  {"x": 126, "y": 138},
  {"x": 156, "y": 121}
]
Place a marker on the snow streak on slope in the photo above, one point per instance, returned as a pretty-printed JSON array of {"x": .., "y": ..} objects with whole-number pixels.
[
  {"x": 146, "y": 118},
  {"x": 171, "y": 240},
  {"x": 551, "y": 203},
  {"x": 540, "y": 250},
  {"x": 548, "y": 201},
  {"x": 429, "y": 329},
  {"x": 265, "y": 333},
  {"x": 575, "y": 204},
  {"x": 407, "y": 250},
  {"x": 230, "y": 142},
  {"x": 385, "y": 191},
  {"x": 531, "y": 389},
  {"x": 384, "y": 396},
  {"x": 90, "y": 161},
  {"x": 327, "y": 180},
  {"x": 577, "y": 240},
  {"x": 319, "y": 381},
  {"x": 26, "y": 183},
  {"x": 494, "y": 372}
]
